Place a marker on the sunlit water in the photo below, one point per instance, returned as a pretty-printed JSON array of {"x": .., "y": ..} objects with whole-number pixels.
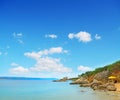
[{"x": 48, "y": 90}]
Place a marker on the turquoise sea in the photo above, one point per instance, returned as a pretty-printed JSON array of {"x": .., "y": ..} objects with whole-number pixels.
[{"x": 48, "y": 90}]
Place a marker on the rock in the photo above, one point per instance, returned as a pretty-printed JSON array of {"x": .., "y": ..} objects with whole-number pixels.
[
  {"x": 102, "y": 87},
  {"x": 82, "y": 91},
  {"x": 64, "y": 79},
  {"x": 102, "y": 76},
  {"x": 84, "y": 85},
  {"x": 111, "y": 87},
  {"x": 95, "y": 84},
  {"x": 95, "y": 87},
  {"x": 80, "y": 81}
]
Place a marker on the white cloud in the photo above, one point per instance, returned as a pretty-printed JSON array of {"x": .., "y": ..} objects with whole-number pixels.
[
  {"x": 14, "y": 64},
  {"x": 84, "y": 68},
  {"x": 81, "y": 36},
  {"x": 53, "y": 36},
  {"x": 53, "y": 50},
  {"x": 97, "y": 37},
  {"x": 44, "y": 64},
  {"x": 34, "y": 55},
  {"x": 71, "y": 35},
  {"x": 18, "y": 69},
  {"x": 47, "y": 64},
  {"x": 58, "y": 50},
  {"x": 18, "y": 37}
]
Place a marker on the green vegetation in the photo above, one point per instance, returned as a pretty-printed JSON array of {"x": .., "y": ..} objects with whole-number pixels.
[
  {"x": 111, "y": 68},
  {"x": 73, "y": 79}
]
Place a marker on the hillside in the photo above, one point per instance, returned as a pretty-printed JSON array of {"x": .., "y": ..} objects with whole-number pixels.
[
  {"x": 103, "y": 73},
  {"x": 105, "y": 78}
]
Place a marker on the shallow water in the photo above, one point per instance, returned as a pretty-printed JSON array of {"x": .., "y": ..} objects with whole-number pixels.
[{"x": 48, "y": 90}]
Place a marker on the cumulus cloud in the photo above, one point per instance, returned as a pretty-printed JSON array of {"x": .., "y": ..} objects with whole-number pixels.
[
  {"x": 18, "y": 69},
  {"x": 84, "y": 68},
  {"x": 18, "y": 37},
  {"x": 82, "y": 36},
  {"x": 34, "y": 55},
  {"x": 53, "y": 50},
  {"x": 71, "y": 35},
  {"x": 14, "y": 64},
  {"x": 53, "y": 36},
  {"x": 97, "y": 37},
  {"x": 44, "y": 63},
  {"x": 48, "y": 64}
]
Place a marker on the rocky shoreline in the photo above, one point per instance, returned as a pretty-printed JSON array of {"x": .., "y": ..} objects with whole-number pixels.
[
  {"x": 98, "y": 82},
  {"x": 105, "y": 78},
  {"x": 95, "y": 84}
]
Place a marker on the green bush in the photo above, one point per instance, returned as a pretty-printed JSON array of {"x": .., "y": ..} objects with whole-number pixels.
[{"x": 110, "y": 68}]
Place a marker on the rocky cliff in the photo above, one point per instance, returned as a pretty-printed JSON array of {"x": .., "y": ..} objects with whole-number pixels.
[{"x": 99, "y": 78}]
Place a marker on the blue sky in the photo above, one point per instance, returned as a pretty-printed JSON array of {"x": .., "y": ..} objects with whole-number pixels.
[{"x": 56, "y": 38}]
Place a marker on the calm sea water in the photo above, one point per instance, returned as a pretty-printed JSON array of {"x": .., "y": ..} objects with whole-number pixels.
[{"x": 48, "y": 90}]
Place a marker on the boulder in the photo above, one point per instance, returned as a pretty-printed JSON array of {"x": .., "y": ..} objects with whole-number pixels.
[
  {"x": 84, "y": 85},
  {"x": 95, "y": 84},
  {"x": 102, "y": 87},
  {"x": 110, "y": 87},
  {"x": 80, "y": 81}
]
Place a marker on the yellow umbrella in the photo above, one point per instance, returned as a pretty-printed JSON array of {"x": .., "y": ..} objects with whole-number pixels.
[{"x": 112, "y": 77}]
